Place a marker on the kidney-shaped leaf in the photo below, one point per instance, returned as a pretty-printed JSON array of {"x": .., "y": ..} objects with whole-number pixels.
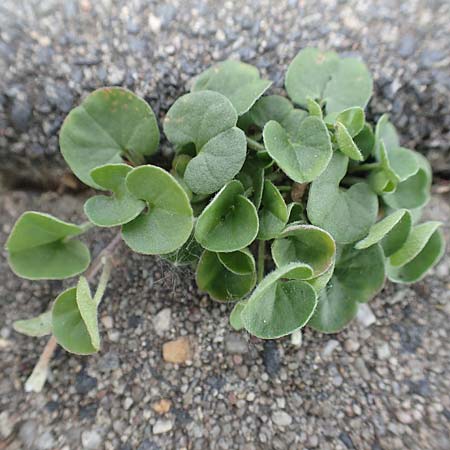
[
  {"x": 278, "y": 307},
  {"x": 69, "y": 326},
  {"x": 273, "y": 214},
  {"x": 36, "y": 327},
  {"x": 302, "y": 157},
  {"x": 207, "y": 120},
  {"x": 238, "y": 81},
  {"x": 40, "y": 247},
  {"x": 421, "y": 251},
  {"x": 110, "y": 123},
  {"x": 221, "y": 283},
  {"x": 229, "y": 222},
  {"x": 121, "y": 207},
  {"x": 167, "y": 223},
  {"x": 358, "y": 276},
  {"x": 345, "y": 213},
  {"x": 391, "y": 232},
  {"x": 307, "y": 244}
]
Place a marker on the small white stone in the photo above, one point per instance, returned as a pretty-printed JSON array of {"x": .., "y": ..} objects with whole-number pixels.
[
  {"x": 296, "y": 338},
  {"x": 365, "y": 315},
  {"x": 281, "y": 418},
  {"x": 162, "y": 321},
  {"x": 91, "y": 440},
  {"x": 250, "y": 396},
  {"x": 404, "y": 417},
  {"x": 383, "y": 351},
  {"x": 107, "y": 322},
  {"x": 351, "y": 345},
  {"x": 329, "y": 348},
  {"x": 162, "y": 426},
  {"x": 127, "y": 403},
  {"x": 154, "y": 23}
]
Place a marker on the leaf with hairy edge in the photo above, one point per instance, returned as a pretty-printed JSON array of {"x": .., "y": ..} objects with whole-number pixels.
[
  {"x": 240, "y": 262},
  {"x": 41, "y": 247},
  {"x": 422, "y": 250},
  {"x": 121, "y": 207},
  {"x": 273, "y": 214},
  {"x": 238, "y": 81},
  {"x": 187, "y": 254},
  {"x": 235, "y": 316},
  {"x": 347, "y": 214},
  {"x": 277, "y": 307},
  {"x": 358, "y": 276},
  {"x": 307, "y": 244},
  {"x": 365, "y": 141},
  {"x": 353, "y": 120},
  {"x": 167, "y": 223},
  {"x": 88, "y": 311},
  {"x": 302, "y": 157},
  {"x": 207, "y": 121},
  {"x": 314, "y": 108},
  {"x": 221, "y": 283},
  {"x": 391, "y": 232},
  {"x": 35, "y": 327},
  {"x": 252, "y": 178},
  {"x": 346, "y": 144},
  {"x": 229, "y": 222},
  {"x": 110, "y": 124}
]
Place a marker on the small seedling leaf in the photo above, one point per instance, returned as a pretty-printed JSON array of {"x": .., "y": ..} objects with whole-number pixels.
[
  {"x": 273, "y": 214},
  {"x": 35, "y": 327}
]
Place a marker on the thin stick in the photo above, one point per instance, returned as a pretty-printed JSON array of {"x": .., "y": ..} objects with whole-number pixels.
[
  {"x": 38, "y": 377},
  {"x": 261, "y": 258}
]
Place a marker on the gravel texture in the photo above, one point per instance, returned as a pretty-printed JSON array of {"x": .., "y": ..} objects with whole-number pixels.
[
  {"x": 53, "y": 52},
  {"x": 381, "y": 384}
]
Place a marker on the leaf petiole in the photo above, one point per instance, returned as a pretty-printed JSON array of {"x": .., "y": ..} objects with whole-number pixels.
[
  {"x": 364, "y": 167},
  {"x": 261, "y": 259},
  {"x": 255, "y": 145}
]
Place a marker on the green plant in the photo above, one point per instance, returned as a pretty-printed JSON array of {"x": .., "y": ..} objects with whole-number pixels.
[{"x": 336, "y": 200}]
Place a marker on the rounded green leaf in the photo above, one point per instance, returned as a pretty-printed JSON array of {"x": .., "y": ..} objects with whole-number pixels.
[
  {"x": 296, "y": 213},
  {"x": 35, "y": 327},
  {"x": 229, "y": 222},
  {"x": 167, "y": 223},
  {"x": 353, "y": 120},
  {"x": 273, "y": 214},
  {"x": 391, "y": 232},
  {"x": 240, "y": 262},
  {"x": 303, "y": 157},
  {"x": 237, "y": 81},
  {"x": 358, "y": 276},
  {"x": 346, "y": 144},
  {"x": 187, "y": 254},
  {"x": 385, "y": 132},
  {"x": 68, "y": 325},
  {"x": 309, "y": 73},
  {"x": 307, "y": 244},
  {"x": 319, "y": 283},
  {"x": 347, "y": 214},
  {"x": 40, "y": 247},
  {"x": 270, "y": 107},
  {"x": 207, "y": 121},
  {"x": 110, "y": 123},
  {"x": 121, "y": 207},
  {"x": 416, "y": 268},
  {"x": 277, "y": 307},
  {"x": 221, "y": 283},
  {"x": 365, "y": 140},
  {"x": 87, "y": 307},
  {"x": 235, "y": 316},
  {"x": 314, "y": 108},
  {"x": 252, "y": 178}
]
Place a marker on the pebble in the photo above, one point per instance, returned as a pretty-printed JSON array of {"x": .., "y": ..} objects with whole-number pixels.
[
  {"x": 281, "y": 418},
  {"x": 162, "y": 321},
  {"x": 162, "y": 407},
  {"x": 383, "y": 351},
  {"x": 108, "y": 322},
  {"x": 91, "y": 440},
  {"x": 6, "y": 424},
  {"x": 350, "y": 345},
  {"x": 84, "y": 383},
  {"x": 296, "y": 338},
  {"x": 235, "y": 343},
  {"x": 329, "y": 348},
  {"x": 365, "y": 315},
  {"x": 404, "y": 417},
  {"x": 20, "y": 115},
  {"x": 162, "y": 426},
  {"x": 271, "y": 358},
  {"x": 45, "y": 441},
  {"x": 178, "y": 351},
  {"x": 28, "y": 433},
  {"x": 362, "y": 369}
]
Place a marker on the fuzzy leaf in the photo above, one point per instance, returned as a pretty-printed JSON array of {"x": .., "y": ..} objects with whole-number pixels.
[
  {"x": 252, "y": 177},
  {"x": 365, "y": 140},
  {"x": 358, "y": 276},
  {"x": 229, "y": 222},
  {"x": 121, "y": 207},
  {"x": 391, "y": 232},
  {"x": 423, "y": 249},
  {"x": 237, "y": 81},
  {"x": 40, "y": 247},
  {"x": 385, "y": 132},
  {"x": 110, "y": 123},
  {"x": 302, "y": 157},
  {"x": 235, "y": 316},
  {"x": 346, "y": 144},
  {"x": 68, "y": 325},
  {"x": 352, "y": 119},
  {"x": 276, "y": 307},
  {"x": 319, "y": 283},
  {"x": 273, "y": 214},
  {"x": 314, "y": 108},
  {"x": 168, "y": 222},
  {"x": 207, "y": 120},
  {"x": 345, "y": 213},
  {"x": 307, "y": 244},
  {"x": 221, "y": 283},
  {"x": 88, "y": 311},
  {"x": 296, "y": 213},
  {"x": 342, "y": 82},
  {"x": 187, "y": 254},
  {"x": 35, "y": 327},
  {"x": 240, "y": 262}
]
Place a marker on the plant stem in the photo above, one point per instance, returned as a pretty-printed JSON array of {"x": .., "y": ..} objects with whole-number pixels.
[
  {"x": 38, "y": 377},
  {"x": 103, "y": 281},
  {"x": 284, "y": 188},
  {"x": 261, "y": 259},
  {"x": 348, "y": 181},
  {"x": 364, "y": 167},
  {"x": 255, "y": 145},
  {"x": 86, "y": 226}
]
